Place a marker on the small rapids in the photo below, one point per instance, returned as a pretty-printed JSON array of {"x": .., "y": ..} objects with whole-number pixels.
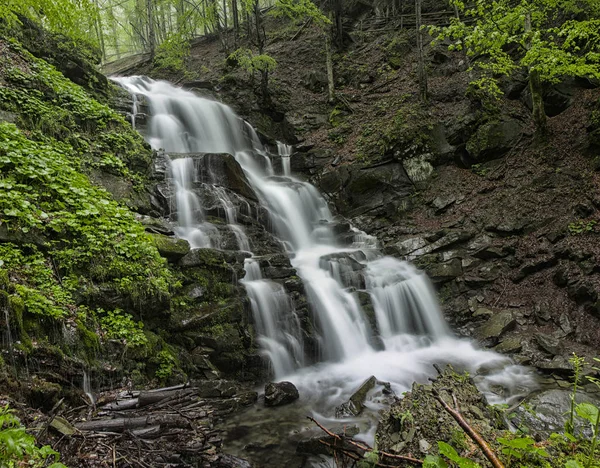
[{"x": 400, "y": 345}]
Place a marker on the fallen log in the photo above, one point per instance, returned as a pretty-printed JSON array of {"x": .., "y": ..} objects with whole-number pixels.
[{"x": 128, "y": 424}]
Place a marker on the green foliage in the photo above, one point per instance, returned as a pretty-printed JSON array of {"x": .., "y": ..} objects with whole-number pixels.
[
  {"x": 172, "y": 54},
  {"x": 68, "y": 235},
  {"x": 403, "y": 127},
  {"x": 521, "y": 448},
  {"x": 581, "y": 227},
  {"x": 563, "y": 40},
  {"x": 121, "y": 326},
  {"x": 18, "y": 448},
  {"x": 299, "y": 10},
  {"x": 166, "y": 364},
  {"x": 370, "y": 460},
  {"x": 71, "y": 18},
  {"x": 450, "y": 453},
  {"x": 251, "y": 62},
  {"x": 479, "y": 170}
]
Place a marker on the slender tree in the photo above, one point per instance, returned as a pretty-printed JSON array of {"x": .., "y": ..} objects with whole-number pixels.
[
  {"x": 422, "y": 70},
  {"x": 548, "y": 39}
]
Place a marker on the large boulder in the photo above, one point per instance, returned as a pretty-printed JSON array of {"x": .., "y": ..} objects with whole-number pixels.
[
  {"x": 493, "y": 140},
  {"x": 383, "y": 188},
  {"x": 280, "y": 393}
]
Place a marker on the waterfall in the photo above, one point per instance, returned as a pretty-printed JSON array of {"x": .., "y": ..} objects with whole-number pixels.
[
  {"x": 285, "y": 153},
  {"x": 276, "y": 321},
  {"x": 408, "y": 332}
]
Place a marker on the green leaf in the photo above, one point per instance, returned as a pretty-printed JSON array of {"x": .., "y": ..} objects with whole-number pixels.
[
  {"x": 573, "y": 464},
  {"x": 587, "y": 411},
  {"x": 432, "y": 461}
]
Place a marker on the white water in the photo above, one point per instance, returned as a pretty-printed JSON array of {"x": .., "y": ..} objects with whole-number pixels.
[
  {"x": 285, "y": 153},
  {"x": 412, "y": 334}
]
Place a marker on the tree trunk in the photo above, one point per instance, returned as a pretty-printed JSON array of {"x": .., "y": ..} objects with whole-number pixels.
[
  {"x": 151, "y": 33},
  {"x": 422, "y": 71},
  {"x": 235, "y": 15},
  {"x": 536, "y": 90},
  {"x": 337, "y": 20},
  {"x": 329, "y": 59},
  {"x": 99, "y": 32}
]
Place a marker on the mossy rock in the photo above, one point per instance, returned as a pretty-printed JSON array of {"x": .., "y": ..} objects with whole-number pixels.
[
  {"x": 493, "y": 140},
  {"x": 416, "y": 423},
  {"x": 173, "y": 249}
]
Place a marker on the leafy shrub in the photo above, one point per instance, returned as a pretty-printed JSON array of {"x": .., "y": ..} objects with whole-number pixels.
[
  {"x": 18, "y": 448},
  {"x": 119, "y": 325}
]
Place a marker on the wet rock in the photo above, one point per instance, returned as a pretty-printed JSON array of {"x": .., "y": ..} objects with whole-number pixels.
[
  {"x": 494, "y": 139},
  {"x": 490, "y": 252},
  {"x": 382, "y": 188},
  {"x": 443, "y": 203},
  {"x": 565, "y": 324},
  {"x": 408, "y": 246},
  {"x": 443, "y": 272},
  {"x": 548, "y": 343},
  {"x": 315, "y": 81},
  {"x": 155, "y": 225},
  {"x": 534, "y": 267},
  {"x": 17, "y": 236},
  {"x": 448, "y": 240},
  {"x": 582, "y": 292},
  {"x": 172, "y": 248},
  {"x": 558, "y": 365},
  {"x": 9, "y": 117},
  {"x": 229, "y": 461},
  {"x": 510, "y": 345},
  {"x": 280, "y": 393},
  {"x": 491, "y": 331},
  {"x": 546, "y": 412},
  {"x": 356, "y": 403}
]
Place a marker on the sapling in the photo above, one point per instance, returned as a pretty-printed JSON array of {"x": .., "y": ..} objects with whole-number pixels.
[{"x": 577, "y": 363}]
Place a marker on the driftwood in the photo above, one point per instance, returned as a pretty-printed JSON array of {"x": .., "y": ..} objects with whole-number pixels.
[
  {"x": 472, "y": 433},
  {"x": 124, "y": 424},
  {"x": 164, "y": 427}
]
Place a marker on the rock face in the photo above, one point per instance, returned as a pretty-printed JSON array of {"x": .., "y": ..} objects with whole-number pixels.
[{"x": 280, "y": 393}]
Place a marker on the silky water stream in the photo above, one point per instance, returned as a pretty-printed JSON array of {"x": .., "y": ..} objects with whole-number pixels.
[{"x": 409, "y": 334}]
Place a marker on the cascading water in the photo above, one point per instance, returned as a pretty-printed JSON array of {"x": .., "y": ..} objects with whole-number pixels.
[
  {"x": 285, "y": 153},
  {"x": 190, "y": 217},
  {"x": 276, "y": 321},
  {"x": 411, "y": 333}
]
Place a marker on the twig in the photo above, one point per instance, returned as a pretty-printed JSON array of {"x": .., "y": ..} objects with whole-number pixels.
[
  {"x": 483, "y": 445},
  {"x": 365, "y": 447},
  {"x": 307, "y": 22},
  {"x": 501, "y": 293}
]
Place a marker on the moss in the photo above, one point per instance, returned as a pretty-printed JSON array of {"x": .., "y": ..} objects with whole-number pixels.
[
  {"x": 4, "y": 280},
  {"x": 90, "y": 341},
  {"x": 170, "y": 247}
]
